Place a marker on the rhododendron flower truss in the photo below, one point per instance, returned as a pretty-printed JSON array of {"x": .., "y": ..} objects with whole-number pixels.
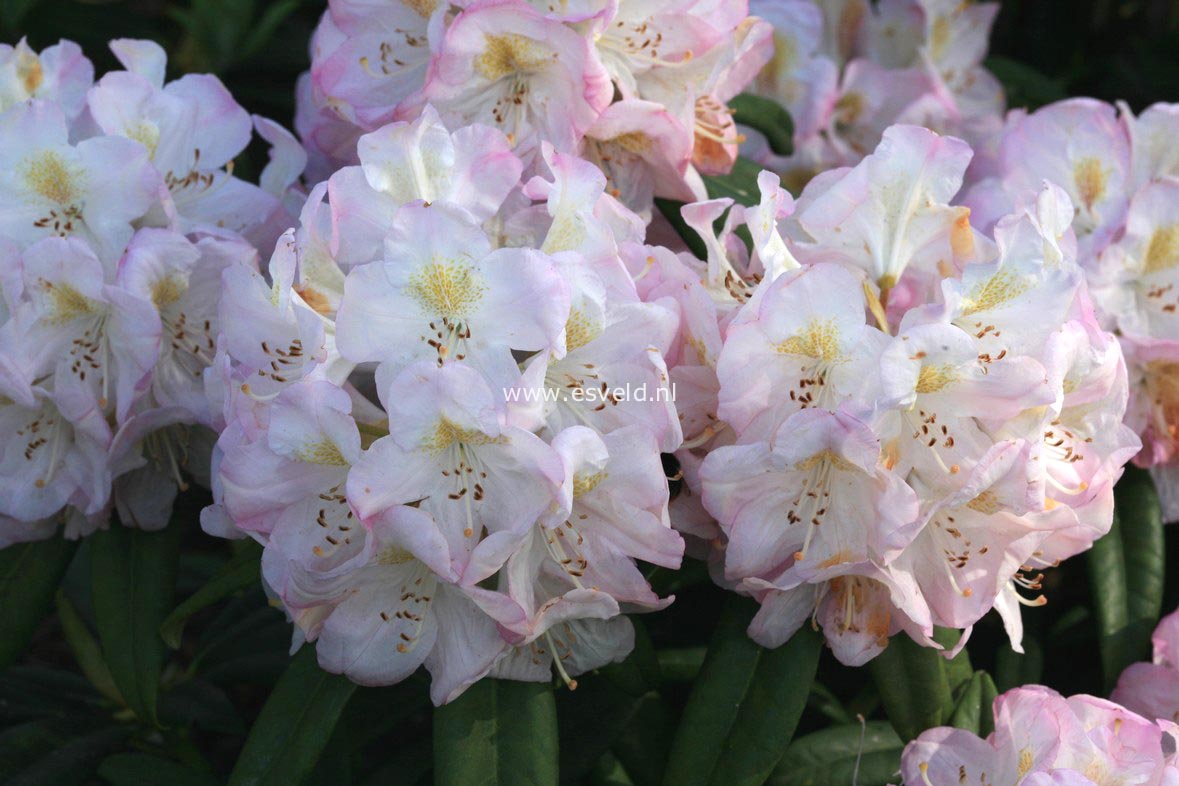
[
  {"x": 847, "y": 71},
  {"x": 113, "y": 256},
  {"x": 984, "y": 400},
  {"x": 1119, "y": 177},
  {"x": 639, "y": 89},
  {"x": 1042, "y": 737},
  {"x": 433, "y": 366}
]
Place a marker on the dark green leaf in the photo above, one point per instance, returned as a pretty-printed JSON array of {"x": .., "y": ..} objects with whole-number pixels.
[
  {"x": 986, "y": 717},
  {"x": 614, "y": 696},
  {"x": 644, "y": 744},
  {"x": 294, "y": 725},
  {"x": 958, "y": 668},
  {"x": 24, "y": 744},
  {"x": 1025, "y": 86},
  {"x": 823, "y": 701},
  {"x": 608, "y": 771},
  {"x": 864, "y": 755},
  {"x": 740, "y": 185},
  {"x": 498, "y": 732},
  {"x": 406, "y": 767},
  {"x": 745, "y": 704},
  {"x": 143, "y": 769},
  {"x": 265, "y": 27},
  {"x": 767, "y": 116},
  {"x": 913, "y": 686},
  {"x": 29, "y": 575},
  {"x": 241, "y": 572},
  {"x": 1013, "y": 669},
  {"x": 1126, "y": 575},
  {"x": 1140, "y": 518},
  {"x": 73, "y": 763},
  {"x": 670, "y": 209},
  {"x": 200, "y": 703},
  {"x": 133, "y": 574},
  {"x": 974, "y": 701},
  {"x": 13, "y": 12},
  {"x": 36, "y": 692},
  {"x": 86, "y": 650},
  {"x": 681, "y": 665}
]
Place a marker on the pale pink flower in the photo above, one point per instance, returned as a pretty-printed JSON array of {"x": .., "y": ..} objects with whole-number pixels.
[
  {"x": 60, "y": 74},
  {"x": 48, "y": 187},
  {"x": 1152, "y": 689},
  {"x": 503, "y": 64}
]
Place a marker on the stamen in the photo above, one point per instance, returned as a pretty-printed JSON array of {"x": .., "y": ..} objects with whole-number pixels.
[{"x": 570, "y": 683}]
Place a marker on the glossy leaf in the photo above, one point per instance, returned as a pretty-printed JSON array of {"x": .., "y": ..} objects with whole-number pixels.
[
  {"x": 745, "y": 704},
  {"x": 973, "y": 703},
  {"x": 240, "y": 572},
  {"x": 613, "y": 696},
  {"x": 768, "y": 117},
  {"x": 1126, "y": 575},
  {"x": 740, "y": 184},
  {"x": 29, "y": 575},
  {"x": 133, "y": 574},
  {"x": 913, "y": 686},
  {"x": 294, "y": 726},
  {"x": 866, "y": 755},
  {"x": 497, "y": 732},
  {"x": 1140, "y": 519},
  {"x": 86, "y": 650}
]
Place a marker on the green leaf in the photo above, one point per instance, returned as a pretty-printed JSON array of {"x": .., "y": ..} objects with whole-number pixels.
[
  {"x": 1140, "y": 518},
  {"x": 73, "y": 763},
  {"x": 865, "y": 755},
  {"x": 29, "y": 575},
  {"x": 405, "y": 767},
  {"x": 294, "y": 726},
  {"x": 643, "y": 746},
  {"x": 497, "y": 732},
  {"x": 133, "y": 574},
  {"x": 913, "y": 686},
  {"x": 1025, "y": 86},
  {"x": 745, "y": 704},
  {"x": 974, "y": 703},
  {"x": 986, "y": 717},
  {"x": 622, "y": 699},
  {"x": 1013, "y": 669},
  {"x": 198, "y": 702},
  {"x": 958, "y": 669},
  {"x": 143, "y": 769},
  {"x": 86, "y": 650},
  {"x": 682, "y": 664},
  {"x": 239, "y": 573},
  {"x": 670, "y": 208},
  {"x": 767, "y": 116},
  {"x": 267, "y": 24},
  {"x": 740, "y": 185},
  {"x": 1126, "y": 575},
  {"x": 13, "y": 12}
]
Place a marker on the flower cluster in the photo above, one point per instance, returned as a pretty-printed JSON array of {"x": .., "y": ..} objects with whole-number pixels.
[
  {"x": 639, "y": 88},
  {"x": 1120, "y": 172},
  {"x": 1152, "y": 689},
  {"x": 900, "y": 420},
  {"x": 118, "y": 211},
  {"x": 847, "y": 70},
  {"x": 423, "y": 423},
  {"x": 1043, "y": 739}
]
